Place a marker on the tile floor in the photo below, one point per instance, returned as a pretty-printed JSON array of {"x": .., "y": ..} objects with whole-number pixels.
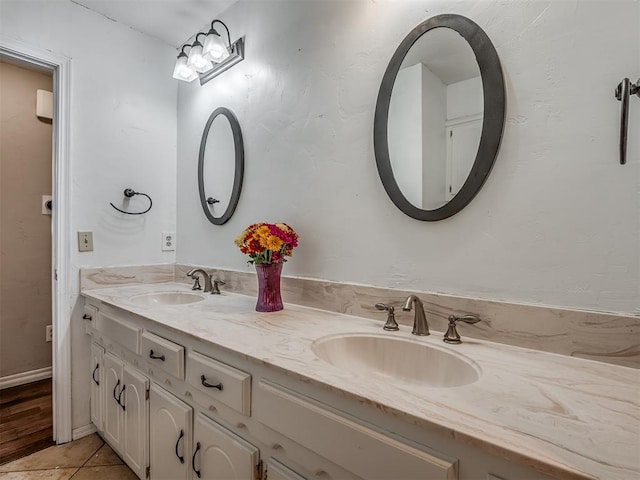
[{"x": 87, "y": 458}]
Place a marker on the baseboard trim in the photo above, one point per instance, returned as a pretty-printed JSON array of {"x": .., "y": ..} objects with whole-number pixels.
[
  {"x": 83, "y": 431},
  {"x": 25, "y": 377}
]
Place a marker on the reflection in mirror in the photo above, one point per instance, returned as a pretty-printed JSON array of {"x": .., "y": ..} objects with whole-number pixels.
[
  {"x": 435, "y": 118},
  {"x": 220, "y": 166}
]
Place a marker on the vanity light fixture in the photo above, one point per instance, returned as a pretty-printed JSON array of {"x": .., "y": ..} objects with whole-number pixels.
[{"x": 209, "y": 60}]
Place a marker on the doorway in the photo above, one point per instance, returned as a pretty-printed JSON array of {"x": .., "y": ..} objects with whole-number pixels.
[
  {"x": 60, "y": 287},
  {"x": 26, "y": 146}
]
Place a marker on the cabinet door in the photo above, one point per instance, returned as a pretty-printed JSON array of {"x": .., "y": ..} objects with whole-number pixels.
[
  {"x": 220, "y": 454},
  {"x": 136, "y": 420},
  {"x": 170, "y": 436},
  {"x": 97, "y": 385},
  {"x": 113, "y": 413},
  {"x": 277, "y": 471}
]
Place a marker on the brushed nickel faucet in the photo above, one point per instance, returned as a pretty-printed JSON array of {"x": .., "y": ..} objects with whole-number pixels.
[
  {"x": 420, "y": 324},
  {"x": 216, "y": 283},
  {"x": 207, "y": 280}
]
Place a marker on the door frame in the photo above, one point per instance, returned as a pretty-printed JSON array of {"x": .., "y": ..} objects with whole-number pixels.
[{"x": 60, "y": 227}]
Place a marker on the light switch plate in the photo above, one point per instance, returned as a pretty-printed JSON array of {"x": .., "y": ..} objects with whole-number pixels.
[
  {"x": 168, "y": 241},
  {"x": 85, "y": 241}
]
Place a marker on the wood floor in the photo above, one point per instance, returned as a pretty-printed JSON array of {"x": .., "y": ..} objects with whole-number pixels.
[{"x": 26, "y": 420}]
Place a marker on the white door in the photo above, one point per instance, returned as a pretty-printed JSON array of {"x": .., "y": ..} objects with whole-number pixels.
[
  {"x": 97, "y": 384},
  {"x": 278, "y": 471},
  {"x": 220, "y": 454},
  {"x": 170, "y": 436},
  {"x": 135, "y": 404},
  {"x": 113, "y": 413},
  {"x": 463, "y": 140}
]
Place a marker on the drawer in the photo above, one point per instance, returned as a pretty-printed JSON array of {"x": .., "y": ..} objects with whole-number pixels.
[
  {"x": 164, "y": 354},
  {"x": 90, "y": 316},
  {"x": 226, "y": 384},
  {"x": 119, "y": 331},
  {"x": 362, "y": 449}
]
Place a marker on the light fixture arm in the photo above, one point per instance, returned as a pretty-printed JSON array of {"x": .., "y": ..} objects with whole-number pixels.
[
  {"x": 225, "y": 27},
  {"x": 182, "y": 49},
  {"x": 196, "y": 40}
]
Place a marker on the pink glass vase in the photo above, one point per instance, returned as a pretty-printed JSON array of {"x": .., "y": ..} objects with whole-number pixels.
[{"x": 269, "y": 298}]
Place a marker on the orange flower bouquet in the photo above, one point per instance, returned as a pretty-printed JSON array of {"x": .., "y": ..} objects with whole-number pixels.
[{"x": 268, "y": 245}]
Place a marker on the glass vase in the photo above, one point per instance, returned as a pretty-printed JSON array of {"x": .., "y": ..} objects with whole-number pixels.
[{"x": 269, "y": 298}]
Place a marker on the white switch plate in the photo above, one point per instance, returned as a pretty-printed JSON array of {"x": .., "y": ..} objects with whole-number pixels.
[
  {"x": 168, "y": 241},
  {"x": 49, "y": 333},
  {"x": 45, "y": 199},
  {"x": 85, "y": 241}
]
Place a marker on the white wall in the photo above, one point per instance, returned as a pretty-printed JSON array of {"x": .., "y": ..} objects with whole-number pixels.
[
  {"x": 405, "y": 133},
  {"x": 433, "y": 105},
  {"x": 123, "y": 134},
  {"x": 557, "y": 221}
]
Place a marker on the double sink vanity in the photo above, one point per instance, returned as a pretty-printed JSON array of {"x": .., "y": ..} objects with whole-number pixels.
[{"x": 190, "y": 385}]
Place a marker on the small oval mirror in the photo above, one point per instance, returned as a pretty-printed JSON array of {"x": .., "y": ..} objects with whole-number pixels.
[
  {"x": 439, "y": 117},
  {"x": 220, "y": 166}
]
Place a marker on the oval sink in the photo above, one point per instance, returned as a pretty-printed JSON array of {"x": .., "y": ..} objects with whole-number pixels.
[
  {"x": 166, "y": 298},
  {"x": 397, "y": 359}
]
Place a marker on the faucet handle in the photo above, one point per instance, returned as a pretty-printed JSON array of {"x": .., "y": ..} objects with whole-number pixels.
[
  {"x": 452, "y": 334},
  {"x": 391, "y": 323},
  {"x": 216, "y": 283},
  {"x": 196, "y": 283}
]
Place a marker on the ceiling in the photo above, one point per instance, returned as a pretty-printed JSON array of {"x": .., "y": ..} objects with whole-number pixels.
[{"x": 172, "y": 21}]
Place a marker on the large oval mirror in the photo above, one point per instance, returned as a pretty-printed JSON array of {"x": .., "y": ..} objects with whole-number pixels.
[
  {"x": 220, "y": 166},
  {"x": 439, "y": 117}
]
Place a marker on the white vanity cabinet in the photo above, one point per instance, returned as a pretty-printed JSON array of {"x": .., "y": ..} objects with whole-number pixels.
[
  {"x": 220, "y": 454},
  {"x": 125, "y": 412},
  {"x": 205, "y": 412},
  {"x": 97, "y": 385},
  {"x": 170, "y": 436}
]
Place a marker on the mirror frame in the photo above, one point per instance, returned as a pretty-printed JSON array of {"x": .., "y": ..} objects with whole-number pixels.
[
  {"x": 492, "y": 122},
  {"x": 239, "y": 166}
]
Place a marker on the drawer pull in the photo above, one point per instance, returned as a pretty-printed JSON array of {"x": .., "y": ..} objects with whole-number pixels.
[
  {"x": 203, "y": 379},
  {"x": 86, "y": 316},
  {"x": 180, "y": 457},
  {"x": 93, "y": 375},
  {"x": 193, "y": 460},
  {"x": 156, "y": 357}
]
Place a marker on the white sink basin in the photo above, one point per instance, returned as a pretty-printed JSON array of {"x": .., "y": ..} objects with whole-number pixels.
[
  {"x": 397, "y": 359},
  {"x": 166, "y": 298}
]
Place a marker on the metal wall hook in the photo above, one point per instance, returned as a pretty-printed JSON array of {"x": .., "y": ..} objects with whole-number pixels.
[
  {"x": 128, "y": 193},
  {"x": 624, "y": 90}
]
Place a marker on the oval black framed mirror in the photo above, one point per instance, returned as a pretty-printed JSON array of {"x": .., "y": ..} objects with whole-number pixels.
[
  {"x": 220, "y": 165},
  {"x": 440, "y": 110}
]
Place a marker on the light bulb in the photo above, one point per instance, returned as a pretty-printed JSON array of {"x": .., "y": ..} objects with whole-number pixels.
[
  {"x": 196, "y": 61},
  {"x": 181, "y": 71},
  {"x": 214, "y": 48}
]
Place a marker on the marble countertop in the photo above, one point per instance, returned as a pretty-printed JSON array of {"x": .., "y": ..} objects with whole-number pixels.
[{"x": 566, "y": 417}]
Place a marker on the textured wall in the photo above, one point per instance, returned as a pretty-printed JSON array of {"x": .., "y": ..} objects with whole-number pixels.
[
  {"x": 557, "y": 222},
  {"x": 25, "y": 233},
  {"x": 123, "y": 134}
]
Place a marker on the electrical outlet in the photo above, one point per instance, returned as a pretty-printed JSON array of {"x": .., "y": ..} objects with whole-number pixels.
[
  {"x": 46, "y": 204},
  {"x": 168, "y": 241},
  {"x": 85, "y": 241},
  {"x": 49, "y": 333}
]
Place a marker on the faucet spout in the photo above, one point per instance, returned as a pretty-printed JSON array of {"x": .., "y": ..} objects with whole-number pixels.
[
  {"x": 207, "y": 278},
  {"x": 420, "y": 324}
]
